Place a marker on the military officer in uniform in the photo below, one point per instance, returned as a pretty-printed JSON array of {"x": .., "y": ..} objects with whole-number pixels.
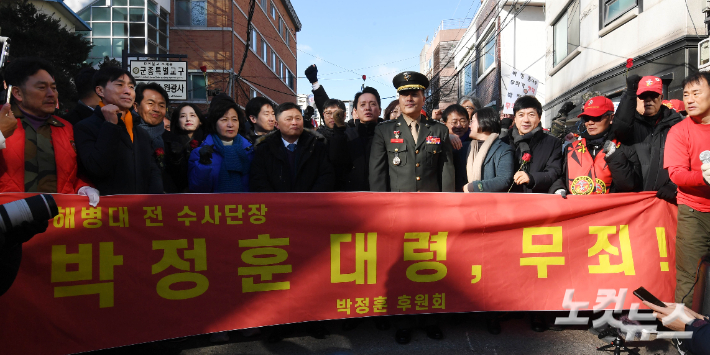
[{"x": 412, "y": 153}]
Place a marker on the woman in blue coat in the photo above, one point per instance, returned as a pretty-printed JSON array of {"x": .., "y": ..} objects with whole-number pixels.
[{"x": 222, "y": 162}]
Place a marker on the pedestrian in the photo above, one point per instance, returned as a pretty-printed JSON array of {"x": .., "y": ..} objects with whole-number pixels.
[
  {"x": 458, "y": 128},
  {"x": 471, "y": 104},
  {"x": 114, "y": 153},
  {"x": 545, "y": 151},
  {"x": 84, "y": 83},
  {"x": 151, "y": 105},
  {"x": 597, "y": 163},
  {"x": 411, "y": 153},
  {"x": 687, "y": 159},
  {"x": 40, "y": 154},
  {"x": 487, "y": 163},
  {"x": 329, "y": 108},
  {"x": 633, "y": 127},
  {"x": 260, "y": 112},
  {"x": 185, "y": 135},
  {"x": 392, "y": 111},
  {"x": 291, "y": 159},
  {"x": 223, "y": 161},
  {"x": 351, "y": 143}
]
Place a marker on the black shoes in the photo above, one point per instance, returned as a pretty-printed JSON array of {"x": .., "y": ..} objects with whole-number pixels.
[
  {"x": 493, "y": 325},
  {"x": 403, "y": 336},
  {"x": 537, "y": 322},
  {"x": 434, "y": 332}
]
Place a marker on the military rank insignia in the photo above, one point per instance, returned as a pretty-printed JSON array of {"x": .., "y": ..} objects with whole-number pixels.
[{"x": 433, "y": 140}]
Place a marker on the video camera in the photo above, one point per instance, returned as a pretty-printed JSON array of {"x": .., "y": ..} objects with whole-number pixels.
[{"x": 32, "y": 209}]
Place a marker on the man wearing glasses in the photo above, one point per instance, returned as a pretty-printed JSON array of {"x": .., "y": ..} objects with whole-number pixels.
[{"x": 597, "y": 163}]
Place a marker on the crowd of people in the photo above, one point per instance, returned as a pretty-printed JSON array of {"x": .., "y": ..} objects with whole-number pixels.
[{"x": 119, "y": 140}]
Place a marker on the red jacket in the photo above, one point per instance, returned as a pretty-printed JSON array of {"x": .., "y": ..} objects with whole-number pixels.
[{"x": 12, "y": 160}]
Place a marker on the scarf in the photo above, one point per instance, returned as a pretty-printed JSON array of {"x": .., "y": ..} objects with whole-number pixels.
[
  {"x": 34, "y": 121},
  {"x": 522, "y": 143},
  {"x": 474, "y": 162},
  {"x": 235, "y": 165}
]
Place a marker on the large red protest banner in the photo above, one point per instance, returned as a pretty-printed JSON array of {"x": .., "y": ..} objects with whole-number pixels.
[{"x": 146, "y": 268}]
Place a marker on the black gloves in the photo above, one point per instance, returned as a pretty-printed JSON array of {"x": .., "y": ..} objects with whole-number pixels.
[
  {"x": 632, "y": 84},
  {"x": 308, "y": 114},
  {"x": 566, "y": 108},
  {"x": 312, "y": 73},
  {"x": 206, "y": 155},
  {"x": 668, "y": 192},
  {"x": 23, "y": 233}
]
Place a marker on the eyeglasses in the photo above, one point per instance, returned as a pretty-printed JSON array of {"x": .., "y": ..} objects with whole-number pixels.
[
  {"x": 594, "y": 119},
  {"x": 469, "y": 107}
]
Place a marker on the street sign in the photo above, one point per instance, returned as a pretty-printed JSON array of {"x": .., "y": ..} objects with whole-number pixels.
[
  {"x": 518, "y": 84},
  {"x": 144, "y": 70},
  {"x": 170, "y": 75},
  {"x": 177, "y": 90}
]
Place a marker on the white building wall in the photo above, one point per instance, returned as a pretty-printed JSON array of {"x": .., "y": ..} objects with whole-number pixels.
[
  {"x": 48, "y": 8},
  {"x": 660, "y": 21}
]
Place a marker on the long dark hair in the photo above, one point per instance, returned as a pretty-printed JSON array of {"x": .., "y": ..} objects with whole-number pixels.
[
  {"x": 175, "y": 118},
  {"x": 389, "y": 109},
  {"x": 219, "y": 109}
]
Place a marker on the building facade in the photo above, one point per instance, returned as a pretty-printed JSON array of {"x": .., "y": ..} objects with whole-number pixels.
[
  {"x": 60, "y": 11},
  {"x": 504, "y": 37},
  {"x": 213, "y": 34},
  {"x": 589, "y": 42},
  {"x": 435, "y": 61},
  {"x": 139, "y": 26}
]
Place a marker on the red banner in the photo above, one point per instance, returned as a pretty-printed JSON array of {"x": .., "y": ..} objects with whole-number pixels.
[{"x": 146, "y": 268}]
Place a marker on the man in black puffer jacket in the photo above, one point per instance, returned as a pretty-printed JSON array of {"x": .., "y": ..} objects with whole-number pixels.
[{"x": 647, "y": 133}]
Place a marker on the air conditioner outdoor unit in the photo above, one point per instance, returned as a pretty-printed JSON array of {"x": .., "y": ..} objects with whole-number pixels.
[{"x": 704, "y": 55}]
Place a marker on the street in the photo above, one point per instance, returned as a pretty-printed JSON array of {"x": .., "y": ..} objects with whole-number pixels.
[{"x": 463, "y": 334}]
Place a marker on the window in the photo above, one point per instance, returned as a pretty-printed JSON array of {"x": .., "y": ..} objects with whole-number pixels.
[
  {"x": 264, "y": 51},
  {"x": 273, "y": 60},
  {"x": 566, "y": 33},
  {"x": 263, "y": 4},
  {"x": 254, "y": 44},
  {"x": 291, "y": 82},
  {"x": 281, "y": 27},
  {"x": 613, "y": 9},
  {"x": 273, "y": 11},
  {"x": 191, "y": 13},
  {"x": 288, "y": 35},
  {"x": 467, "y": 79},
  {"x": 197, "y": 87},
  {"x": 487, "y": 53},
  {"x": 252, "y": 93}
]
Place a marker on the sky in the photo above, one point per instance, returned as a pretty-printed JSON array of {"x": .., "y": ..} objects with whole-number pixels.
[{"x": 376, "y": 38}]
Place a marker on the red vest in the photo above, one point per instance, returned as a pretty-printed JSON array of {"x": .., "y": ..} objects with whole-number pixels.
[
  {"x": 12, "y": 160},
  {"x": 587, "y": 176}
]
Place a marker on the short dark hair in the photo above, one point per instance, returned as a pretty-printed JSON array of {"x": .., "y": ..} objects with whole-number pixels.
[
  {"x": 255, "y": 105},
  {"x": 218, "y": 109},
  {"x": 83, "y": 81},
  {"x": 488, "y": 120},
  {"x": 527, "y": 101},
  {"x": 19, "y": 70},
  {"x": 696, "y": 78},
  {"x": 175, "y": 117},
  {"x": 367, "y": 90},
  {"x": 142, "y": 87},
  {"x": 334, "y": 102},
  {"x": 106, "y": 74},
  {"x": 285, "y": 107},
  {"x": 457, "y": 109}
]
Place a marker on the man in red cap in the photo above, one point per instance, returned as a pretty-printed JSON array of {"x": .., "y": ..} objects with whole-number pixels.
[
  {"x": 596, "y": 163},
  {"x": 646, "y": 131}
]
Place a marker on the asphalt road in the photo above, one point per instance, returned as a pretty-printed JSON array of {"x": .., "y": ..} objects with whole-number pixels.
[{"x": 464, "y": 334}]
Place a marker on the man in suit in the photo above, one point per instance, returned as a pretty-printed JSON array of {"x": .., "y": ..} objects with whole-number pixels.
[{"x": 412, "y": 153}]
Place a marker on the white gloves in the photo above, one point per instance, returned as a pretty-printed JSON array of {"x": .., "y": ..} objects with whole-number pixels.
[
  {"x": 91, "y": 193},
  {"x": 609, "y": 148},
  {"x": 706, "y": 172},
  {"x": 561, "y": 192}
]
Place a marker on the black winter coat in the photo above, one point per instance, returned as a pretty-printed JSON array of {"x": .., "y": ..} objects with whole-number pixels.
[
  {"x": 546, "y": 163},
  {"x": 648, "y": 157},
  {"x": 271, "y": 171},
  {"x": 350, "y": 155},
  {"x": 78, "y": 113},
  {"x": 115, "y": 164},
  {"x": 177, "y": 154}
]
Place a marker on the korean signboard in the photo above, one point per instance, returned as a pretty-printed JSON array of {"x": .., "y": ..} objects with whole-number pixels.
[
  {"x": 171, "y": 75},
  {"x": 518, "y": 84}
]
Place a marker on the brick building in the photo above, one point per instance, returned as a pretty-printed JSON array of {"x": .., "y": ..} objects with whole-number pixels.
[
  {"x": 436, "y": 62},
  {"x": 214, "y": 34}
]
